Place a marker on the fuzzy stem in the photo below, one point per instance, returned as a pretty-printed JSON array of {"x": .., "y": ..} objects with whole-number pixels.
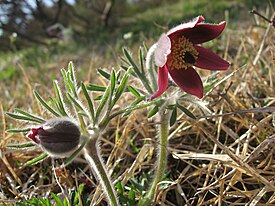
[
  {"x": 162, "y": 158},
  {"x": 92, "y": 155}
]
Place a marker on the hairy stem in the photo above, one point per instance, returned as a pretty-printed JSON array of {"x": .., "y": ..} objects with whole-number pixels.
[
  {"x": 92, "y": 155},
  {"x": 162, "y": 158}
]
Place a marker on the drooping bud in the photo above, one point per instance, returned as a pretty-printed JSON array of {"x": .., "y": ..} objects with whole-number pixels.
[{"x": 58, "y": 137}]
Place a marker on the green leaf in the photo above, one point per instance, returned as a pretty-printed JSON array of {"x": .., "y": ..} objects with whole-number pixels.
[
  {"x": 65, "y": 202},
  {"x": 45, "y": 202},
  {"x": 57, "y": 199},
  {"x": 22, "y": 145},
  {"x": 45, "y": 105},
  {"x": 30, "y": 115},
  {"x": 141, "y": 57},
  {"x": 18, "y": 130},
  {"x": 59, "y": 99},
  {"x": 131, "y": 61},
  {"x": 186, "y": 111},
  {"x": 75, "y": 102},
  {"x": 153, "y": 111},
  {"x": 173, "y": 117},
  {"x": 118, "y": 76},
  {"x": 119, "y": 187},
  {"x": 126, "y": 62},
  {"x": 124, "y": 67},
  {"x": 96, "y": 88},
  {"x": 113, "y": 82},
  {"x": 36, "y": 160},
  {"x": 54, "y": 103},
  {"x": 134, "y": 91},
  {"x": 76, "y": 196},
  {"x": 121, "y": 87},
  {"x": 131, "y": 196},
  {"x": 81, "y": 188},
  {"x": 104, "y": 74},
  {"x": 137, "y": 185},
  {"x": 70, "y": 80},
  {"x": 99, "y": 97},
  {"x": 35, "y": 202},
  {"x": 89, "y": 101},
  {"x": 22, "y": 117},
  {"x": 71, "y": 71},
  {"x": 171, "y": 106},
  {"x": 102, "y": 103},
  {"x": 138, "y": 100},
  {"x": 140, "y": 75}
]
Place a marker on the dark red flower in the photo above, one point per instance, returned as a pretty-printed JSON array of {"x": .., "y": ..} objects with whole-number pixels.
[
  {"x": 58, "y": 137},
  {"x": 178, "y": 51}
]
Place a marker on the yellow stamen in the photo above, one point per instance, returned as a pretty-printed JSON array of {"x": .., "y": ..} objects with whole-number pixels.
[{"x": 183, "y": 54}]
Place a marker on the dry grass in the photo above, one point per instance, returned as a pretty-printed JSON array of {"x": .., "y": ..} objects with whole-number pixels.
[{"x": 224, "y": 157}]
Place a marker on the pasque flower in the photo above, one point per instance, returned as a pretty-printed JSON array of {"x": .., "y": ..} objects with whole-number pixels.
[
  {"x": 58, "y": 137},
  {"x": 178, "y": 51}
]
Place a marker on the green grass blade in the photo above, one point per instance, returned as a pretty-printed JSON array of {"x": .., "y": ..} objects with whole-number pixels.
[{"x": 57, "y": 200}]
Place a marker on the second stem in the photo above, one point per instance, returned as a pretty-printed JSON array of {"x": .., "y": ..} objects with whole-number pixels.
[{"x": 162, "y": 156}]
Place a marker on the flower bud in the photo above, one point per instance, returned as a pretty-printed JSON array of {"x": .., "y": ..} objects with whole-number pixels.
[{"x": 58, "y": 137}]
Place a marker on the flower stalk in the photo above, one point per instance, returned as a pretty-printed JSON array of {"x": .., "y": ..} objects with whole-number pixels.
[
  {"x": 162, "y": 156},
  {"x": 93, "y": 157}
]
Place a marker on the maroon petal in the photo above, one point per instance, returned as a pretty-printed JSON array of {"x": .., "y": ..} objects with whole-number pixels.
[
  {"x": 203, "y": 32},
  {"x": 209, "y": 60},
  {"x": 184, "y": 26},
  {"x": 162, "y": 81},
  {"x": 188, "y": 80}
]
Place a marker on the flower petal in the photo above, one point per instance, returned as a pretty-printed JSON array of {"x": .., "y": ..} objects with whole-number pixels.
[
  {"x": 188, "y": 80},
  {"x": 185, "y": 26},
  {"x": 203, "y": 32},
  {"x": 209, "y": 60},
  {"x": 162, "y": 50},
  {"x": 162, "y": 81}
]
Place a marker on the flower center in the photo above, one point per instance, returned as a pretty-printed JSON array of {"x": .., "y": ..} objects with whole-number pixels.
[{"x": 183, "y": 54}]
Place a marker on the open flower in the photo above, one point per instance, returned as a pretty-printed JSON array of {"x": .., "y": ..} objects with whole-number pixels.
[
  {"x": 58, "y": 137},
  {"x": 178, "y": 51}
]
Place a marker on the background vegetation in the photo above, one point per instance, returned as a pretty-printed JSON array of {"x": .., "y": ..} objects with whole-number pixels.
[{"x": 200, "y": 171}]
